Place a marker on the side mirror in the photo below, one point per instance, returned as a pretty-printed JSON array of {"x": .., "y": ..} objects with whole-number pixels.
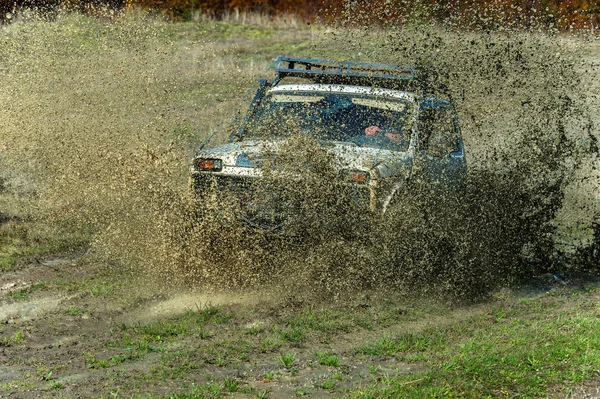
[{"x": 437, "y": 133}]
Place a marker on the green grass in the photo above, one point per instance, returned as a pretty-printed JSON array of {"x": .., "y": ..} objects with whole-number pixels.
[
  {"x": 57, "y": 385},
  {"x": 287, "y": 359},
  {"x": 93, "y": 362},
  {"x": 295, "y": 334},
  {"x": 103, "y": 290},
  {"x": 231, "y": 385},
  {"x": 212, "y": 389},
  {"x": 326, "y": 359},
  {"x": 23, "y": 294},
  {"x": 18, "y": 295},
  {"x": 329, "y": 383},
  {"x": 516, "y": 348},
  {"x": 193, "y": 323},
  {"x": 136, "y": 341},
  {"x": 323, "y": 320},
  {"x": 22, "y": 241},
  {"x": 269, "y": 344},
  {"x": 74, "y": 311},
  {"x": 526, "y": 354},
  {"x": 161, "y": 331},
  {"x": 15, "y": 339},
  {"x": 434, "y": 339}
]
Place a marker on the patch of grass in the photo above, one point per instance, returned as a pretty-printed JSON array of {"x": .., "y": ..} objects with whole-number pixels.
[
  {"x": 227, "y": 352},
  {"x": 8, "y": 261},
  {"x": 118, "y": 359},
  {"x": 262, "y": 394},
  {"x": 269, "y": 344},
  {"x": 231, "y": 385},
  {"x": 190, "y": 324},
  {"x": 253, "y": 330},
  {"x": 295, "y": 334},
  {"x": 102, "y": 290},
  {"x": 45, "y": 374},
  {"x": 13, "y": 244},
  {"x": 71, "y": 286},
  {"x": 158, "y": 332},
  {"x": 329, "y": 383},
  {"x": 18, "y": 295},
  {"x": 526, "y": 358},
  {"x": 204, "y": 334},
  {"x": 209, "y": 314},
  {"x": 287, "y": 359},
  {"x": 18, "y": 385},
  {"x": 19, "y": 337},
  {"x": 323, "y": 319},
  {"x": 211, "y": 389},
  {"x": 20, "y": 241},
  {"x": 269, "y": 375},
  {"x": 93, "y": 363},
  {"x": 57, "y": 385},
  {"x": 40, "y": 285},
  {"x": 364, "y": 323},
  {"x": 128, "y": 342},
  {"x": 74, "y": 311},
  {"x": 16, "y": 338},
  {"x": 326, "y": 359},
  {"x": 172, "y": 370},
  {"x": 406, "y": 342},
  {"x": 213, "y": 314},
  {"x": 22, "y": 294}
]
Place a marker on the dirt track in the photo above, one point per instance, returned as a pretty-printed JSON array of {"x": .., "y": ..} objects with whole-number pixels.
[
  {"x": 71, "y": 334},
  {"x": 54, "y": 334}
]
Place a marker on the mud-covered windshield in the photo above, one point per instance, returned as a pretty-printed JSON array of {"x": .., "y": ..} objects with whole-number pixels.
[{"x": 365, "y": 120}]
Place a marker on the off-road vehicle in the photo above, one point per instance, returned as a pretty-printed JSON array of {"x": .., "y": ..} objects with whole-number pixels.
[{"x": 385, "y": 124}]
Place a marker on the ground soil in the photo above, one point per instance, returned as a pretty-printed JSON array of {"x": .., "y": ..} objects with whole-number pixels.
[{"x": 65, "y": 318}]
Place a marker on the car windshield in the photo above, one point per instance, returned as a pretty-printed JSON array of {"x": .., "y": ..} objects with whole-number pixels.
[{"x": 366, "y": 120}]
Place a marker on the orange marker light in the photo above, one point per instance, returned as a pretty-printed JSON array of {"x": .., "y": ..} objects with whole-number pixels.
[
  {"x": 206, "y": 163},
  {"x": 359, "y": 177},
  {"x": 210, "y": 164}
]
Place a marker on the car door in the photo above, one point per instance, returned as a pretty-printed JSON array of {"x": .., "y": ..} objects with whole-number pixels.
[{"x": 441, "y": 151}]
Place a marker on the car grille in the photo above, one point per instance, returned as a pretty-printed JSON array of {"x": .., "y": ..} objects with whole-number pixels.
[
  {"x": 234, "y": 185},
  {"x": 256, "y": 207},
  {"x": 263, "y": 207}
]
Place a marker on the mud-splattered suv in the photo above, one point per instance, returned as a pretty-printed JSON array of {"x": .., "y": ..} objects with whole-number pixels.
[{"x": 382, "y": 124}]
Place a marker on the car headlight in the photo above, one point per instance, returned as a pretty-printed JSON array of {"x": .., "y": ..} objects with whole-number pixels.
[{"x": 208, "y": 164}]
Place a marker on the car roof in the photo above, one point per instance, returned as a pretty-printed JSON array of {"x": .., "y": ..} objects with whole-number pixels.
[{"x": 344, "y": 89}]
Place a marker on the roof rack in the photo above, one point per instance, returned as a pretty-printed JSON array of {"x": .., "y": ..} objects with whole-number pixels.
[{"x": 307, "y": 68}]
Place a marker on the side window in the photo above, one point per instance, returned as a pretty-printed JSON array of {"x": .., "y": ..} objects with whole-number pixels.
[{"x": 436, "y": 129}]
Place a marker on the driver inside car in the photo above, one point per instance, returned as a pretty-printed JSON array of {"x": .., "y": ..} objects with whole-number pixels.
[{"x": 374, "y": 130}]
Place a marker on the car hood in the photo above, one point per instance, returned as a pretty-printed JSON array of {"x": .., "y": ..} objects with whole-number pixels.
[{"x": 250, "y": 154}]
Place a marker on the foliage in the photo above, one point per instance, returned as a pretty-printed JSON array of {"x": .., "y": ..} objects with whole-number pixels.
[{"x": 484, "y": 14}]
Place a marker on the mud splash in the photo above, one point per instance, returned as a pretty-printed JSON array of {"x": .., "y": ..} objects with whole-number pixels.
[{"x": 101, "y": 118}]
